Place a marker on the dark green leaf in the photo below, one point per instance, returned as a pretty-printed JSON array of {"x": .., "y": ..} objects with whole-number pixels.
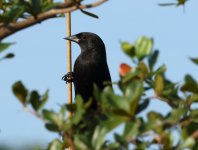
[
  {"x": 35, "y": 100},
  {"x": 20, "y": 92},
  {"x": 15, "y": 12},
  {"x": 153, "y": 59},
  {"x": 36, "y": 7},
  {"x": 9, "y": 55},
  {"x": 195, "y": 60},
  {"x": 52, "y": 127},
  {"x": 142, "y": 106},
  {"x": 89, "y": 14},
  {"x": 167, "y": 4},
  {"x": 120, "y": 139},
  {"x": 190, "y": 85},
  {"x": 38, "y": 101}
]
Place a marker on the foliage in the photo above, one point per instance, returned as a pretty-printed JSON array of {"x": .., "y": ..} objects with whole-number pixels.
[
  {"x": 87, "y": 128},
  {"x": 3, "y": 47}
]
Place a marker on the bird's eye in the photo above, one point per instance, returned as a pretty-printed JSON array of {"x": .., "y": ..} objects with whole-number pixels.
[{"x": 84, "y": 37}]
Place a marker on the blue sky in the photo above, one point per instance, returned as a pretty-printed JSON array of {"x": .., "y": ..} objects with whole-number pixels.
[{"x": 40, "y": 60}]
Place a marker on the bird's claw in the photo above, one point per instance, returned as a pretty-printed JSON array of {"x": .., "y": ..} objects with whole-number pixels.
[{"x": 69, "y": 77}]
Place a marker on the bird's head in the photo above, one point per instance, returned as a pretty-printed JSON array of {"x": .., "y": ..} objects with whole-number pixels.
[{"x": 87, "y": 41}]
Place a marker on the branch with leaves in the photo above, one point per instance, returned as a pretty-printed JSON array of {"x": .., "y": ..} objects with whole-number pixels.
[
  {"x": 22, "y": 14},
  {"x": 87, "y": 128}
]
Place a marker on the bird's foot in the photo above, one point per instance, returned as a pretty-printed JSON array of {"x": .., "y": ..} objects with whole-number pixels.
[{"x": 69, "y": 77}]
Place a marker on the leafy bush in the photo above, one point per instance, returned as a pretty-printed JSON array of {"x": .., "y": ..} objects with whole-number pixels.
[{"x": 87, "y": 128}]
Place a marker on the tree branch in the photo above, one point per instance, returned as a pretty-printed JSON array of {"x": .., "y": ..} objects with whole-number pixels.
[{"x": 6, "y": 30}]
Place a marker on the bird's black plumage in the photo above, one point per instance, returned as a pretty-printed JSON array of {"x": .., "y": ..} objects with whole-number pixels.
[{"x": 90, "y": 66}]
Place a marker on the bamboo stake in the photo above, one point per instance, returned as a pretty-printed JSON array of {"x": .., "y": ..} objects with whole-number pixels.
[{"x": 69, "y": 61}]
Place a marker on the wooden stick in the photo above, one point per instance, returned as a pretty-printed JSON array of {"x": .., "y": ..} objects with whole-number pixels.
[{"x": 69, "y": 61}]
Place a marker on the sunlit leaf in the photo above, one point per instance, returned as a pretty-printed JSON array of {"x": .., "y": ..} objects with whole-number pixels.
[
  {"x": 143, "y": 47},
  {"x": 128, "y": 48},
  {"x": 133, "y": 94},
  {"x": 159, "y": 84},
  {"x": 55, "y": 145},
  {"x": 98, "y": 137},
  {"x": 4, "y": 46}
]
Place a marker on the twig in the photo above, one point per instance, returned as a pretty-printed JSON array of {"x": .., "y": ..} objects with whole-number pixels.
[
  {"x": 14, "y": 27},
  {"x": 37, "y": 115}
]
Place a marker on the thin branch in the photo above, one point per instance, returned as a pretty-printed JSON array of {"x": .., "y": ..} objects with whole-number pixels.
[
  {"x": 14, "y": 27},
  {"x": 37, "y": 115}
]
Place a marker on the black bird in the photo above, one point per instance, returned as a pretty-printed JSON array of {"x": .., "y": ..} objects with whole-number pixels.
[{"x": 90, "y": 66}]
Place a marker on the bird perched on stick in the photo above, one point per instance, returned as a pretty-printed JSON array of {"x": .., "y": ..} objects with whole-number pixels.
[{"x": 90, "y": 66}]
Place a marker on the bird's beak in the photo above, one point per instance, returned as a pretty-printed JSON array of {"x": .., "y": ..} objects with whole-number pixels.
[{"x": 73, "y": 38}]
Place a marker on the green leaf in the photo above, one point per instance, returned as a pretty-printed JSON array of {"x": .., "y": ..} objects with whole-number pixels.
[
  {"x": 128, "y": 48},
  {"x": 154, "y": 116},
  {"x": 52, "y": 127},
  {"x": 98, "y": 137},
  {"x": 44, "y": 99},
  {"x": 134, "y": 73},
  {"x": 144, "y": 70},
  {"x": 114, "y": 121},
  {"x": 89, "y": 14},
  {"x": 131, "y": 130},
  {"x": 80, "y": 143},
  {"x": 188, "y": 143},
  {"x": 120, "y": 139},
  {"x": 15, "y": 12},
  {"x": 190, "y": 85},
  {"x": 34, "y": 100},
  {"x": 133, "y": 94},
  {"x": 159, "y": 84},
  {"x": 55, "y": 145},
  {"x": 175, "y": 116},
  {"x": 142, "y": 106},
  {"x": 8, "y": 56},
  {"x": 194, "y": 115},
  {"x": 36, "y": 7},
  {"x": 20, "y": 91},
  {"x": 153, "y": 59},
  {"x": 54, "y": 118},
  {"x": 80, "y": 110},
  {"x": 161, "y": 69},
  {"x": 4, "y": 46},
  {"x": 38, "y": 101},
  {"x": 117, "y": 102},
  {"x": 143, "y": 47},
  {"x": 195, "y": 60}
]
